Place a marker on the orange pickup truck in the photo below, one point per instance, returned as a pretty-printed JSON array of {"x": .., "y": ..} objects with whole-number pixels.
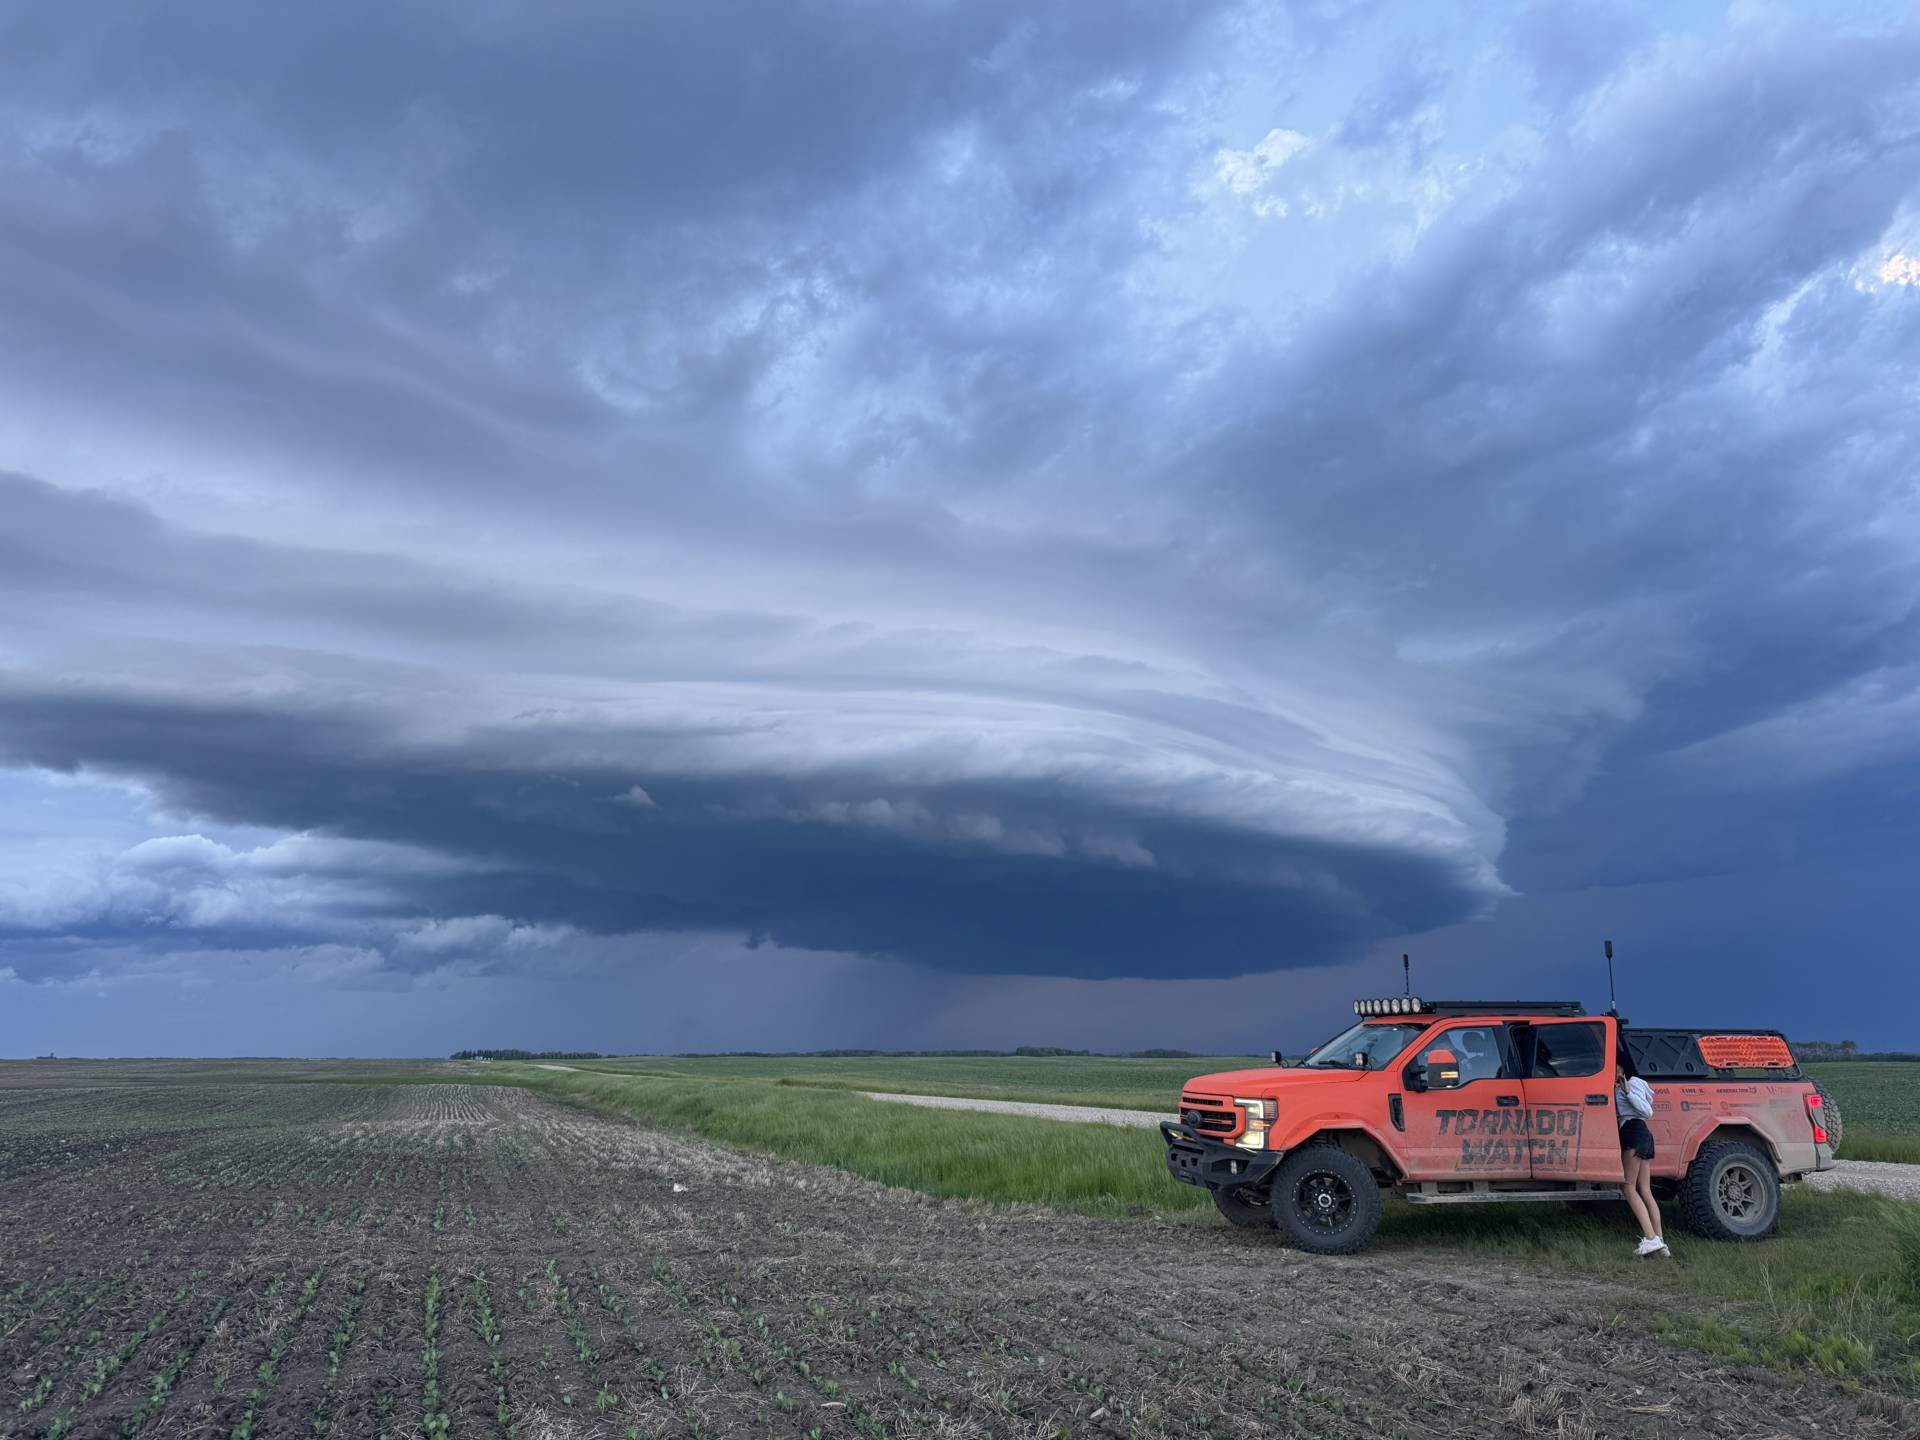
[{"x": 1465, "y": 1101}]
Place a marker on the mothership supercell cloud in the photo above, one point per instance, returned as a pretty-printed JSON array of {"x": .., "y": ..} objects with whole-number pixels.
[{"x": 927, "y": 491}]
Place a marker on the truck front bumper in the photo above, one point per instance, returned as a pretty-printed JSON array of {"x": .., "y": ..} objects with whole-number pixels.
[{"x": 1196, "y": 1159}]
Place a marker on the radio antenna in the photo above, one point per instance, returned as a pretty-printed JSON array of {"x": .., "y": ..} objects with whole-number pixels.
[
  {"x": 1613, "y": 1002},
  {"x": 1406, "y": 969}
]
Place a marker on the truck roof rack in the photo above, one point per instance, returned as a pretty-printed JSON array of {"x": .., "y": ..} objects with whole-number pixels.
[
  {"x": 1410, "y": 1005},
  {"x": 1507, "y": 1007}
]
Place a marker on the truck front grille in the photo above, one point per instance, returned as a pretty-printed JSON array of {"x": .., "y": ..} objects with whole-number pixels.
[{"x": 1210, "y": 1115}]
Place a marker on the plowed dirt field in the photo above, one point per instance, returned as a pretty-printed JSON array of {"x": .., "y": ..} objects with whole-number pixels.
[{"x": 371, "y": 1260}]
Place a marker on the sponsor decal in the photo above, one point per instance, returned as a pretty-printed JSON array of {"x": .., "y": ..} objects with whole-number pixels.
[{"x": 1543, "y": 1137}]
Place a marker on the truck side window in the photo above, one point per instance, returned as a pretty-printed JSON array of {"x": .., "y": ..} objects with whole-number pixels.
[
  {"x": 1569, "y": 1051},
  {"x": 1476, "y": 1048}
]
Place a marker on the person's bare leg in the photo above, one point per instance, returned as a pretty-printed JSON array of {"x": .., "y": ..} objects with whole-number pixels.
[
  {"x": 1646, "y": 1197},
  {"x": 1635, "y": 1167}
]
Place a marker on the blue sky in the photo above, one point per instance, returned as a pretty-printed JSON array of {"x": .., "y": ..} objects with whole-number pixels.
[{"x": 946, "y": 525}]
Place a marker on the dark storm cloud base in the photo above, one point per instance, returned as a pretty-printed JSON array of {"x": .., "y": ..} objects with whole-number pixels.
[{"x": 743, "y": 854}]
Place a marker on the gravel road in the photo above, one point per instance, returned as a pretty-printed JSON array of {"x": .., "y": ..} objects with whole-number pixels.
[
  {"x": 1084, "y": 1114},
  {"x": 1902, "y": 1182}
]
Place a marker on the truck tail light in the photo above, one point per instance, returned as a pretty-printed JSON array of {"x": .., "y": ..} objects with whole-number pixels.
[{"x": 1814, "y": 1114}]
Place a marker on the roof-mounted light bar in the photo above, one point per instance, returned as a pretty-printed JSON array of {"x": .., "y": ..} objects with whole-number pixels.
[
  {"x": 1506, "y": 1007},
  {"x": 1393, "y": 1005},
  {"x": 1413, "y": 1005}
]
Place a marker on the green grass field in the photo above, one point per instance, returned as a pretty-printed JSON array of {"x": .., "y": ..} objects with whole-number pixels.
[{"x": 1880, "y": 1102}]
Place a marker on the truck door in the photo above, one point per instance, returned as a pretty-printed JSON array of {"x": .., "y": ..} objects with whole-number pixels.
[
  {"x": 1466, "y": 1125},
  {"x": 1568, "y": 1065}
]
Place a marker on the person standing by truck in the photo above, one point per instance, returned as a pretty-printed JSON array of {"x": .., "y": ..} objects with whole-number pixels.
[{"x": 1633, "y": 1107}]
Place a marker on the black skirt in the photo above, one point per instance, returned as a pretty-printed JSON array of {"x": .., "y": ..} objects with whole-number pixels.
[{"x": 1635, "y": 1136}]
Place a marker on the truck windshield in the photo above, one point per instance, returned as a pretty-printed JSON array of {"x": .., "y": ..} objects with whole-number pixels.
[{"x": 1364, "y": 1047}]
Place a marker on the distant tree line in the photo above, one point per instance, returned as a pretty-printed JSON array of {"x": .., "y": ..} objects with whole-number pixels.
[
  {"x": 1846, "y": 1050},
  {"x": 1030, "y": 1051},
  {"x": 831, "y": 1054},
  {"x": 526, "y": 1055}
]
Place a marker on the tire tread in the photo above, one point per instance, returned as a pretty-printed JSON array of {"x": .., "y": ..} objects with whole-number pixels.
[
  {"x": 1366, "y": 1195},
  {"x": 1830, "y": 1118},
  {"x": 1238, "y": 1212},
  {"x": 1696, "y": 1194}
]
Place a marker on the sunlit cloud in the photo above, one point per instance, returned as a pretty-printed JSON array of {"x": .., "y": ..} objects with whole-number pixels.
[{"x": 1247, "y": 173}]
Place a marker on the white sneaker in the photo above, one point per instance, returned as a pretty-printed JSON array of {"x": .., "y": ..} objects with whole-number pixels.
[{"x": 1650, "y": 1244}]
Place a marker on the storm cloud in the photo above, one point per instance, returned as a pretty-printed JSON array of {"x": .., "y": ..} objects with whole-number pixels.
[{"x": 1126, "y": 502}]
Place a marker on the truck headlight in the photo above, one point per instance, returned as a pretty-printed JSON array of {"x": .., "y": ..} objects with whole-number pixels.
[{"x": 1259, "y": 1115}]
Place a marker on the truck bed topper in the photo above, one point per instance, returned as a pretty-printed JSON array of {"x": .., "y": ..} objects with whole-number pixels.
[{"x": 1732, "y": 1053}]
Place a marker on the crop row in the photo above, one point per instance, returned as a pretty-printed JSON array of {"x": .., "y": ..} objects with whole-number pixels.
[{"x": 873, "y": 1356}]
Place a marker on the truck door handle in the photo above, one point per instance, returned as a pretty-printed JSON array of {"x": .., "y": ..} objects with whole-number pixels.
[
  {"x": 1596, "y": 1099},
  {"x": 1509, "y": 1099}
]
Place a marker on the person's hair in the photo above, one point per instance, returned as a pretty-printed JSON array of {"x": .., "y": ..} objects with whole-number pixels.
[{"x": 1625, "y": 1061}]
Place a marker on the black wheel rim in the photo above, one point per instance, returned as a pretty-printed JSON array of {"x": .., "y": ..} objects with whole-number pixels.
[
  {"x": 1323, "y": 1200},
  {"x": 1738, "y": 1194}
]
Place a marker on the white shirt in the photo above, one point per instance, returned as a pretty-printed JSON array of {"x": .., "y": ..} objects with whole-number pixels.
[{"x": 1633, "y": 1100}]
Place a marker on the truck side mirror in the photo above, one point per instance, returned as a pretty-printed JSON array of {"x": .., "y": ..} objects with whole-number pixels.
[
  {"x": 1443, "y": 1070},
  {"x": 1278, "y": 1058}
]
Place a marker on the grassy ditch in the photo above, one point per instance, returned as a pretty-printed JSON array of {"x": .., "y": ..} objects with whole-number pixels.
[
  {"x": 1878, "y": 1145},
  {"x": 1880, "y": 1099},
  {"x": 1095, "y": 1080},
  {"x": 1083, "y": 1169},
  {"x": 1837, "y": 1292}
]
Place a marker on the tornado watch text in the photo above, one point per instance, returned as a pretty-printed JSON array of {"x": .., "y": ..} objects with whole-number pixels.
[{"x": 1543, "y": 1136}]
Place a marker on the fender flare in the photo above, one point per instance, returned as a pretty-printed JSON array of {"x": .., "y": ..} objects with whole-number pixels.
[
  {"x": 1728, "y": 1129},
  {"x": 1336, "y": 1125}
]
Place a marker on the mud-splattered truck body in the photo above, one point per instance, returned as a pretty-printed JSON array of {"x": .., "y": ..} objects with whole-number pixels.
[{"x": 1460, "y": 1102}]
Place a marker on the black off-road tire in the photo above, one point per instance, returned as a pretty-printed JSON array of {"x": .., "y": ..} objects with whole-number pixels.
[
  {"x": 1325, "y": 1201},
  {"x": 1246, "y": 1207},
  {"x": 1829, "y": 1116},
  {"x": 1731, "y": 1192}
]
